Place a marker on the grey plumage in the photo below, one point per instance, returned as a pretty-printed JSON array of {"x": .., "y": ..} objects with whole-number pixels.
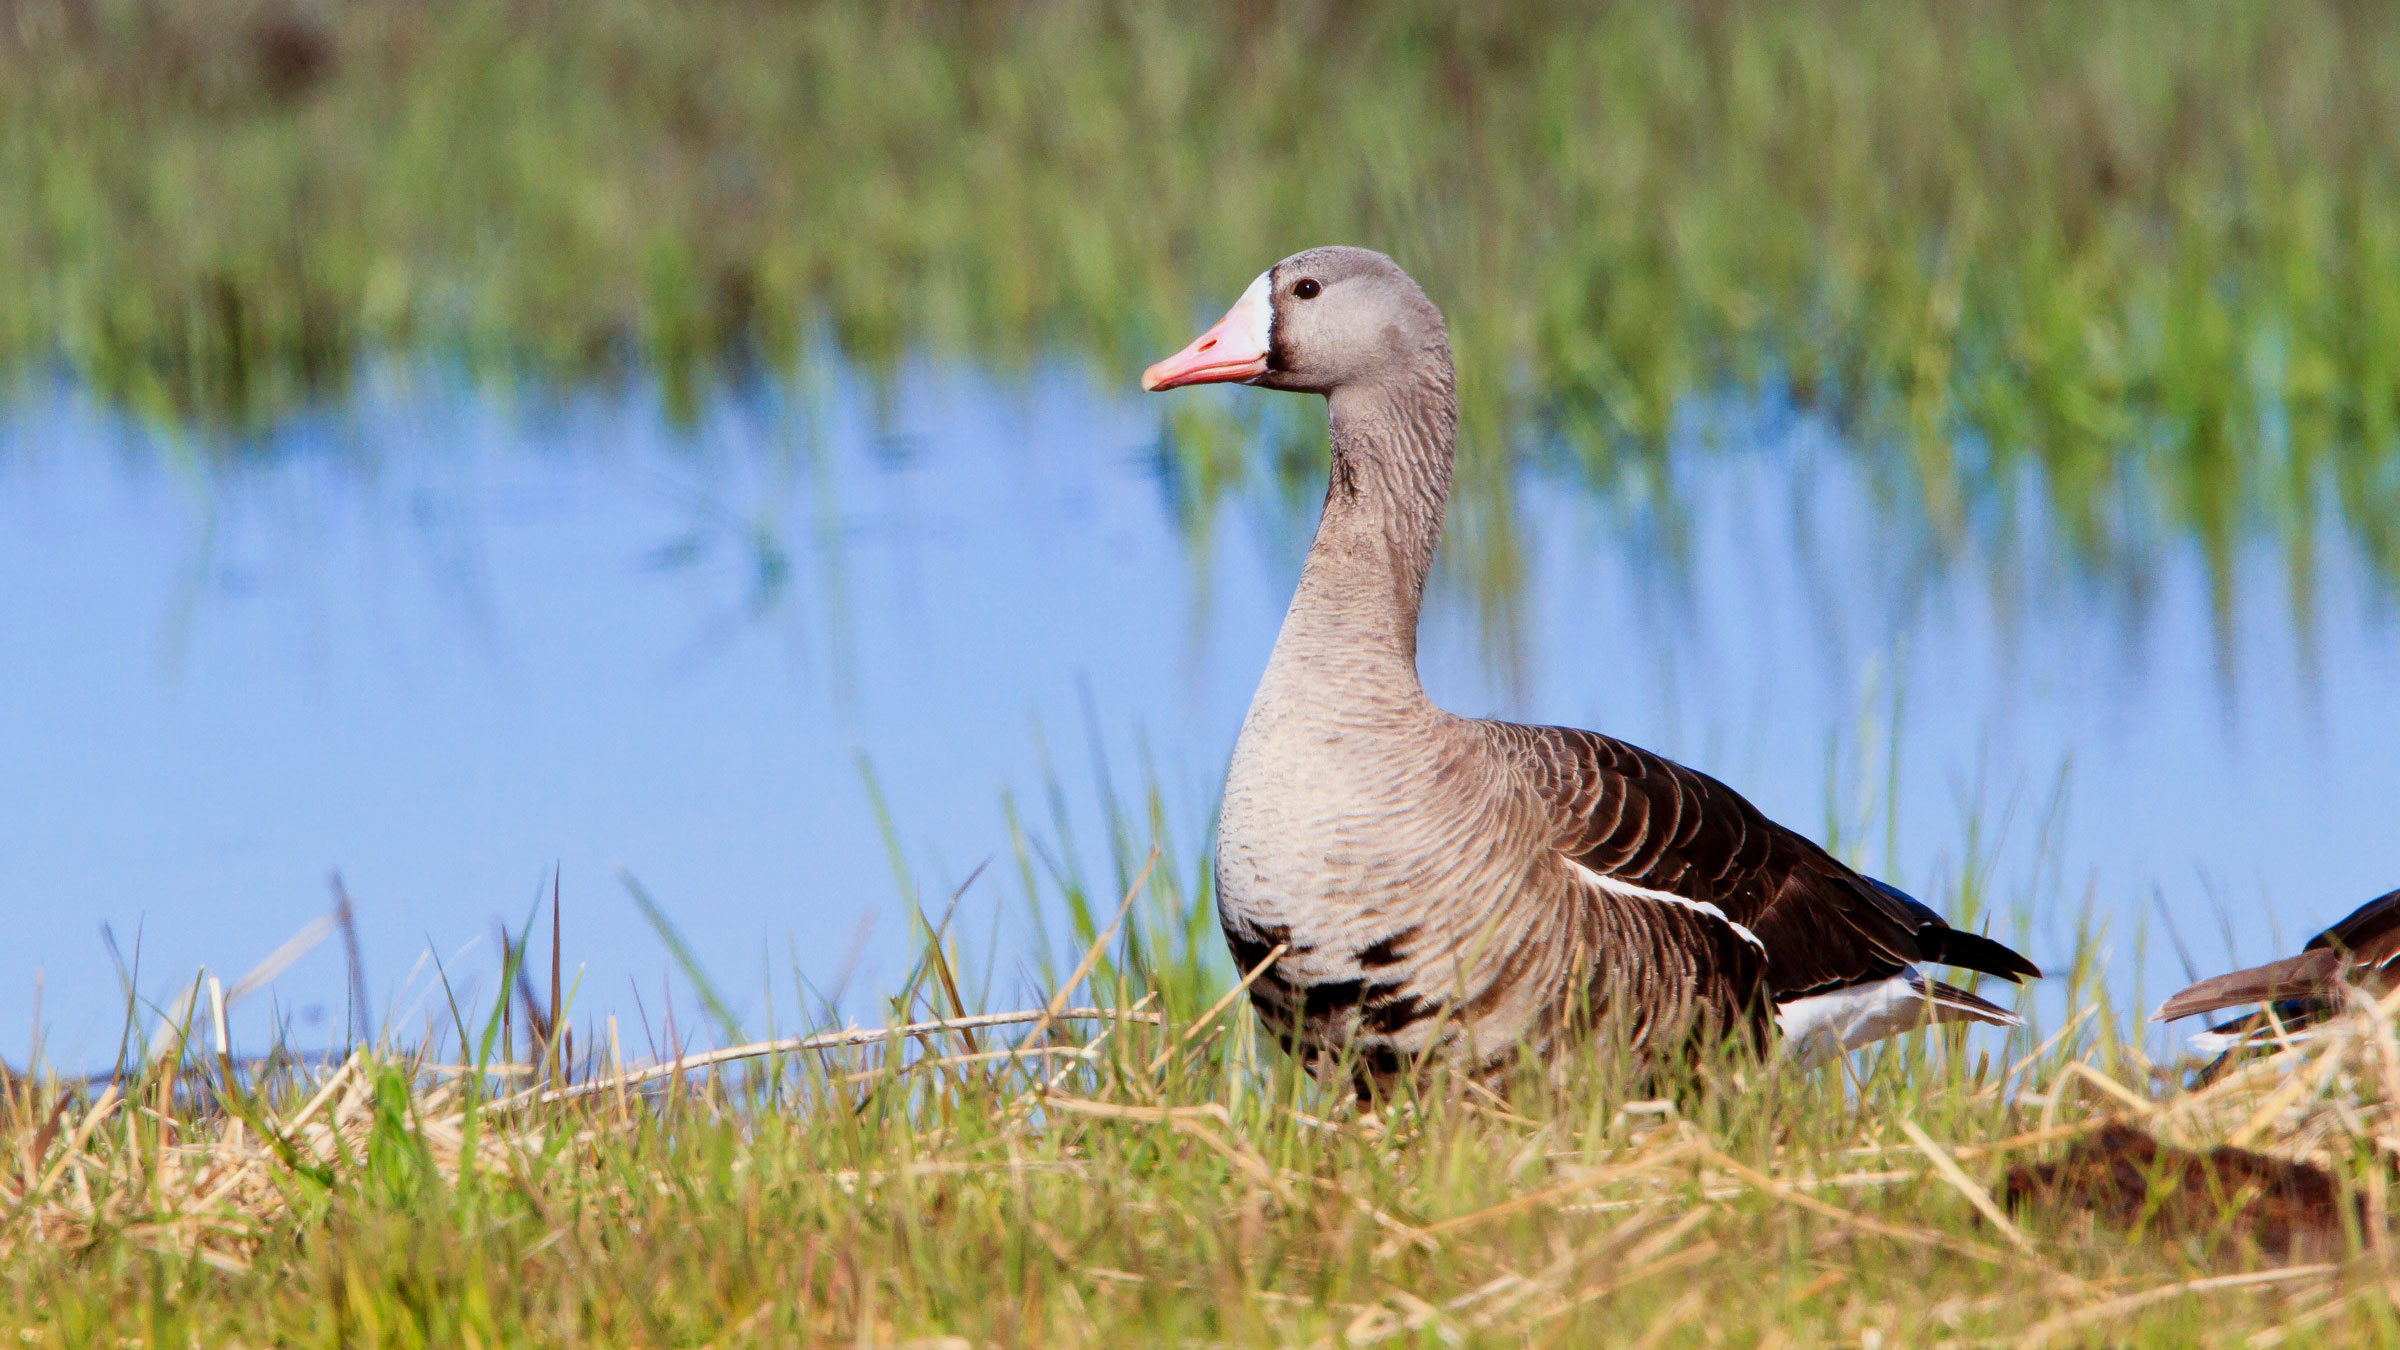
[{"x": 1477, "y": 887}]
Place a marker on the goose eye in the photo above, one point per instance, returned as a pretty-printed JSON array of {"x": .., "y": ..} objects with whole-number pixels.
[{"x": 1305, "y": 288}]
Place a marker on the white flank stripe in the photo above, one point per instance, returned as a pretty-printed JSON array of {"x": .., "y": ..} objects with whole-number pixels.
[{"x": 1628, "y": 889}]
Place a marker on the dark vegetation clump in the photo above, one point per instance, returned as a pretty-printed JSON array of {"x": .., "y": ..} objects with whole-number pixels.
[
  {"x": 291, "y": 54},
  {"x": 2124, "y": 1178}
]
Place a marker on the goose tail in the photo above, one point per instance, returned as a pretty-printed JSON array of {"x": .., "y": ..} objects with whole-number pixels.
[
  {"x": 1819, "y": 1027},
  {"x": 1974, "y": 951},
  {"x": 1949, "y": 1003}
]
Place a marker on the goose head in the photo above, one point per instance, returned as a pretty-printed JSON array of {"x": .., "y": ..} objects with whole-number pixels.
[{"x": 1319, "y": 321}]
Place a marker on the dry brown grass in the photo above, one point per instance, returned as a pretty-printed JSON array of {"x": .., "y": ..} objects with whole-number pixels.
[{"x": 1094, "y": 1175}]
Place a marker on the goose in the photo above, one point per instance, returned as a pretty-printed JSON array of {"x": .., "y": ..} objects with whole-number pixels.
[
  {"x": 2300, "y": 991},
  {"x": 1476, "y": 889}
]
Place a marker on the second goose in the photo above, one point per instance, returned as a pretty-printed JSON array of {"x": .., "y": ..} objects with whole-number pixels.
[{"x": 2298, "y": 992}]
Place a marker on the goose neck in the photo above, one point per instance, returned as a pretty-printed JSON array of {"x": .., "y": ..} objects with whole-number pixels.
[{"x": 1364, "y": 581}]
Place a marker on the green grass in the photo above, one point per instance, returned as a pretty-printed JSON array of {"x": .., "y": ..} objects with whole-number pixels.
[
  {"x": 1148, "y": 1171},
  {"x": 2141, "y": 256}
]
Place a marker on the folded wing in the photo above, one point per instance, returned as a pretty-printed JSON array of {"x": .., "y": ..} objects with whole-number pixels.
[{"x": 1840, "y": 949}]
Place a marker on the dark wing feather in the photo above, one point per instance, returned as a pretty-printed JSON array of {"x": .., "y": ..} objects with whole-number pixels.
[
  {"x": 2373, "y": 925},
  {"x": 1973, "y": 951},
  {"x": 1949, "y": 946},
  {"x": 1953, "y": 1004},
  {"x": 1645, "y": 820},
  {"x": 1824, "y": 928}
]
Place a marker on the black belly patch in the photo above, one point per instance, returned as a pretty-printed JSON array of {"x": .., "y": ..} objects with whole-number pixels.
[
  {"x": 1393, "y": 1011},
  {"x": 1383, "y": 1007},
  {"x": 1250, "y": 948},
  {"x": 1332, "y": 996},
  {"x": 1385, "y": 951}
]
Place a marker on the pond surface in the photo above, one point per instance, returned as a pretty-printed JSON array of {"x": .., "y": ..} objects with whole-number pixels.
[{"x": 445, "y": 639}]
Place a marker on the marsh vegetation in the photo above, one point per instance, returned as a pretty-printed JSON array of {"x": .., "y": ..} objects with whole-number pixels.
[
  {"x": 1128, "y": 1161},
  {"x": 2140, "y": 262}
]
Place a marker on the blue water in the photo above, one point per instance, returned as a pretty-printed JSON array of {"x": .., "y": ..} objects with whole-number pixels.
[{"x": 445, "y": 639}]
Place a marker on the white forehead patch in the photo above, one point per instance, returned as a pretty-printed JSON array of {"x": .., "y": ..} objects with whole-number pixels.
[{"x": 1261, "y": 307}]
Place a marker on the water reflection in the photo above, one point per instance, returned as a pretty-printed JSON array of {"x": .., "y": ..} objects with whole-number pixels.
[{"x": 445, "y": 639}]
